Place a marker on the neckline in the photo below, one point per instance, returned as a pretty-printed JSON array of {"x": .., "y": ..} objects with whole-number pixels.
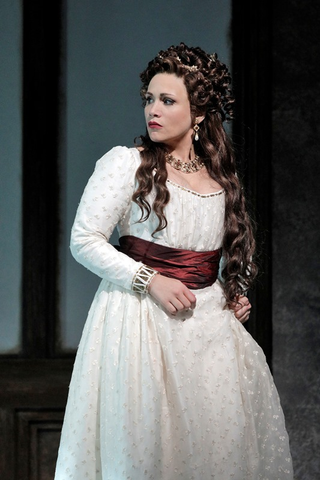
[
  {"x": 193, "y": 192},
  {"x": 212, "y": 194}
]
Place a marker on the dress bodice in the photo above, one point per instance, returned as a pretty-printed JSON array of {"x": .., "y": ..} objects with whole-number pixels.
[{"x": 195, "y": 221}]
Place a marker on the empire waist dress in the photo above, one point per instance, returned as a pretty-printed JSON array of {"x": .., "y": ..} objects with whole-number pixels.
[{"x": 157, "y": 397}]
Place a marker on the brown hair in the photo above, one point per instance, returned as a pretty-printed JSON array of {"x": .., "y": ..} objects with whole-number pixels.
[{"x": 207, "y": 81}]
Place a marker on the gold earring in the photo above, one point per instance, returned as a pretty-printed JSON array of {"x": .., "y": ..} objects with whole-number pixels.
[{"x": 196, "y": 130}]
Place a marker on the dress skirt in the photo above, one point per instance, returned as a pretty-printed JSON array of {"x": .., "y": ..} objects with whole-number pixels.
[{"x": 153, "y": 396}]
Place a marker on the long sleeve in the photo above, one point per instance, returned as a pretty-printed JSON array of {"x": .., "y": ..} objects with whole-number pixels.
[{"x": 105, "y": 201}]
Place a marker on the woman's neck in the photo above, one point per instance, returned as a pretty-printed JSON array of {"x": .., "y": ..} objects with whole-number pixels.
[{"x": 185, "y": 154}]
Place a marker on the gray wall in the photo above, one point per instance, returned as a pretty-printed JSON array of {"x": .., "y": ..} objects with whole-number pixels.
[
  {"x": 296, "y": 226},
  {"x": 10, "y": 176}
]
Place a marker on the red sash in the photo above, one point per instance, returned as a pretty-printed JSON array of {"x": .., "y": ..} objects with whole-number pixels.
[{"x": 194, "y": 269}]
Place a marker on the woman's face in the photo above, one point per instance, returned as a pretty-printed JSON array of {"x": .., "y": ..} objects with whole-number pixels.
[{"x": 167, "y": 111}]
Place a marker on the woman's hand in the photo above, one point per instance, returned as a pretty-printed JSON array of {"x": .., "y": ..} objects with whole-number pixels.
[
  {"x": 172, "y": 294},
  {"x": 241, "y": 308}
]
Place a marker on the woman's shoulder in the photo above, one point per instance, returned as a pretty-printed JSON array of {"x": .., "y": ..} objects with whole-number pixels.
[
  {"x": 116, "y": 168},
  {"x": 121, "y": 158},
  {"x": 122, "y": 152}
]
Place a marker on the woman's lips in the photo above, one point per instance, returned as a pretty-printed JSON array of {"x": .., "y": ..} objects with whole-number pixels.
[{"x": 154, "y": 125}]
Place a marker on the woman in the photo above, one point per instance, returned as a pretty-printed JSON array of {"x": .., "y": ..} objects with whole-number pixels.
[{"x": 167, "y": 383}]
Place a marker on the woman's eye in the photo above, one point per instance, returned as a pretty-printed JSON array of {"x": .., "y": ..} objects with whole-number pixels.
[
  {"x": 168, "y": 101},
  {"x": 148, "y": 100}
]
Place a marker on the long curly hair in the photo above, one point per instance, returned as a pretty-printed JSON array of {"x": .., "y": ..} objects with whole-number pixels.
[{"x": 208, "y": 84}]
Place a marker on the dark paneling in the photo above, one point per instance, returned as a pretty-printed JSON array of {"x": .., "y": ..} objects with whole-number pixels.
[
  {"x": 252, "y": 51},
  {"x": 32, "y": 401},
  {"x": 7, "y": 444},
  {"x": 38, "y": 435},
  {"x": 296, "y": 226},
  {"x": 33, "y": 389},
  {"x": 41, "y": 60}
]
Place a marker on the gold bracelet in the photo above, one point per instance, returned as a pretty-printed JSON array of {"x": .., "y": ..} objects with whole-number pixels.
[{"x": 142, "y": 279}]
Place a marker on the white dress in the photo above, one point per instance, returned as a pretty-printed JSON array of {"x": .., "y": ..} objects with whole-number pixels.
[{"x": 152, "y": 396}]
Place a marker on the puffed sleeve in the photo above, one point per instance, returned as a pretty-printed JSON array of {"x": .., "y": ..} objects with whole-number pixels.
[{"x": 105, "y": 200}]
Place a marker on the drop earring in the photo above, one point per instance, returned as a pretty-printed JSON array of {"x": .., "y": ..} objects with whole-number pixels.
[{"x": 196, "y": 130}]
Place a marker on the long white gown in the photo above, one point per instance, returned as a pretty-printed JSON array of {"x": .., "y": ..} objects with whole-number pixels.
[{"x": 152, "y": 396}]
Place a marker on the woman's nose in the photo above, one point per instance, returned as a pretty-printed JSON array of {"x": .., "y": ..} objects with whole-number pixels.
[{"x": 154, "y": 110}]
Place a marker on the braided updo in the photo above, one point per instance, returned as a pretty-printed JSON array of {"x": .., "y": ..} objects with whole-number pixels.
[{"x": 208, "y": 85}]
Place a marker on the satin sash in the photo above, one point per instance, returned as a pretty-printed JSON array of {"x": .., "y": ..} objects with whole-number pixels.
[{"x": 194, "y": 269}]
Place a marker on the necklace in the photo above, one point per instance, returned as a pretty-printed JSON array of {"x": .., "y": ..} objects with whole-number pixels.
[{"x": 186, "y": 167}]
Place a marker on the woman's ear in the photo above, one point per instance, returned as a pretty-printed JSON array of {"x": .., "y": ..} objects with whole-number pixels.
[{"x": 199, "y": 119}]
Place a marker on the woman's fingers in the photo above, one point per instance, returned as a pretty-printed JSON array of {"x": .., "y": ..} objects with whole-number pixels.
[
  {"x": 175, "y": 297},
  {"x": 177, "y": 305},
  {"x": 191, "y": 298},
  {"x": 244, "y": 317},
  {"x": 172, "y": 294},
  {"x": 241, "y": 308},
  {"x": 183, "y": 302}
]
